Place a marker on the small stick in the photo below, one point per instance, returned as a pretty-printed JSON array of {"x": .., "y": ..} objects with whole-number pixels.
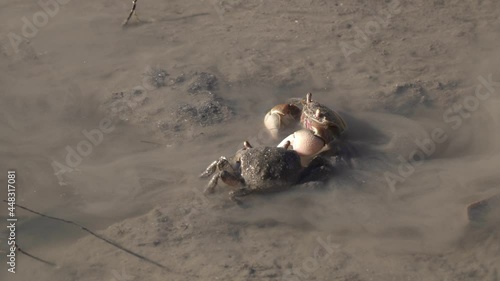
[
  {"x": 34, "y": 257},
  {"x": 151, "y": 142},
  {"x": 95, "y": 235},
  {"x": 132, "y": 11}
]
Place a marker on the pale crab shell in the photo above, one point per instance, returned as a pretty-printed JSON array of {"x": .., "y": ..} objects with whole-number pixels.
[{"x": 305, "y": 143}]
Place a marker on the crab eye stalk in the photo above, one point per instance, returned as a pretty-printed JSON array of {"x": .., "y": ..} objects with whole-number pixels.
[
  {"x": 247, "y": 145},
  {"x": 308, "y": 98},
  {"x": 318, "y": 114}
]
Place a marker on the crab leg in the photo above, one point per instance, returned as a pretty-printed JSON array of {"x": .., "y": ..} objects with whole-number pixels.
[
  {"x": 218, "y": 165},
  {"x": 210, "y": 169},
  {"x": 226, "y": 177},
  {"x": 212, "y": 183},
  {"x": 230, "y": 179}
]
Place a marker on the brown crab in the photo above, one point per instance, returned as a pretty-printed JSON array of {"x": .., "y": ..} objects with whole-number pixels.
[
  {"x": 321, "y": 125},
  {"x": 263, "y": 169},
  {"x": 320, "y": 119}
]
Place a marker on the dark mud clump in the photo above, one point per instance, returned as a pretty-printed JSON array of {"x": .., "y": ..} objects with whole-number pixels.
[
  {"x": 155, "y": 77},
  {"x": 209, "y": 110},
  {"x": 177, "y": 108},
  {"x": 203, "y": 82},
  {"x": 404, "y": 99}
]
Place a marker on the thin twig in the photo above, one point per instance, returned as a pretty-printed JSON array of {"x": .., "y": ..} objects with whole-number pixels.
[
  {"x": 34, "y": 257},
  {"x": 151, "y": 142},
  {"x": 132, "y": 11},
  {"x": 95, "y": 235}
]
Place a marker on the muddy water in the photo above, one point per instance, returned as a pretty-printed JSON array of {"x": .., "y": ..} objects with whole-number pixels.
[
  {"x": 389, "y": 217},
  {"x": 385, "y": 203}
]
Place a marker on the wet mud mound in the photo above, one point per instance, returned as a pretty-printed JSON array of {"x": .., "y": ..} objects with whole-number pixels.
[{"x": 174, "y": 108}]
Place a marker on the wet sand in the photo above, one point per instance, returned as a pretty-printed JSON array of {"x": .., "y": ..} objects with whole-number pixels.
[{"x": 414, "y": 79}]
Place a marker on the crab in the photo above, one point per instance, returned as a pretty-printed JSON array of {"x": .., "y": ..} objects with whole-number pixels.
[
  {"x": 322, "y": 127},
  {"x": 261, "y": 170},
  {"x": 320, "y": 119}
]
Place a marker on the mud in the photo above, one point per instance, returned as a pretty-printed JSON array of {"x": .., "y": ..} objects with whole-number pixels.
[{"x": 416, "y": 81}]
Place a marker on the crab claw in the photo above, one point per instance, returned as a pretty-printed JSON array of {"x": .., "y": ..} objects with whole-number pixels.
[
  {"x": 305, "y": 143},
  {"x": 280, "y": 117}
]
